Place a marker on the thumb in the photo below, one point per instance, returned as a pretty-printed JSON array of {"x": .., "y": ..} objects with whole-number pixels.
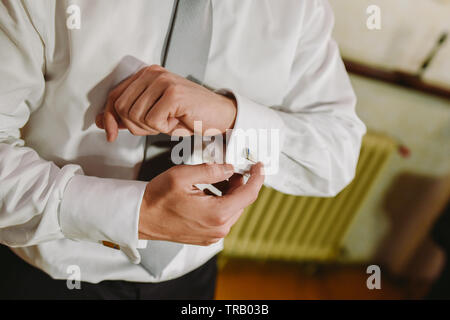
[
  {"x": 204, "y": 173},
  {"x": 246, "y": 194}
]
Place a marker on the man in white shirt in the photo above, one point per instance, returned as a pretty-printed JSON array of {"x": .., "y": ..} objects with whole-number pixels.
[{"x": 65, "y": 190}]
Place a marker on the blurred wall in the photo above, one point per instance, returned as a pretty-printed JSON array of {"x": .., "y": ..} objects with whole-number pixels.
[
  {"x": 409, "y": 31},
  {"x": 409, "y": 35}
]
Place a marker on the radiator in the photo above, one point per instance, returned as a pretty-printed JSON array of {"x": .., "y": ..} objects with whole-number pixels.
[{"x": 286, "y": 227}]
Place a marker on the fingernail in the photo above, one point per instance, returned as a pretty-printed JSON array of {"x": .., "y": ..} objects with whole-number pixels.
[{"x": 258, "y": 166}]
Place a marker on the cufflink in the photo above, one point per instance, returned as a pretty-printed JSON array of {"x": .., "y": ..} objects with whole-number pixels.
[
  {"x": 111, "y": 245},
  {"x": 248, "y": 156}
]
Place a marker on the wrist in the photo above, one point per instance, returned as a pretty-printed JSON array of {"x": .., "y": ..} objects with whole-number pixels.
[{"x": 144, "y": 213}]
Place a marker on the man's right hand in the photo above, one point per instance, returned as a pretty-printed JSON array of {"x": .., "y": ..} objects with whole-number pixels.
[{"x": 173, "y": 209}]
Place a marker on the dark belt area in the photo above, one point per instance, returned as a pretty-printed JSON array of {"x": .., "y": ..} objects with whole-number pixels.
[{"x": 19, "y": 280}]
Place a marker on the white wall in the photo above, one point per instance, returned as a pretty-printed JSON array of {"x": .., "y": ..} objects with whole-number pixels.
[
  {"x": 419, "y": 121},
  {"x": 409, "y": 31}
]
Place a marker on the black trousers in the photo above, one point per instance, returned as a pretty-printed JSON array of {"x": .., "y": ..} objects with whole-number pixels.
[{"x": 19, "y": 280}]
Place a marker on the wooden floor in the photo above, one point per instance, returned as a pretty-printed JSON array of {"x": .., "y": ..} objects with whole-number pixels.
[{"x": 256, "y": 280}]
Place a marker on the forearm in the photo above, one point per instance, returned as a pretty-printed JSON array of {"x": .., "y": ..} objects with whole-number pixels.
[
  {"x": 30, "y": 193},
  {"x": 41, "y": 202},
  {"x": 318, "y": 134},
  {"x": 310, "y": 144}
]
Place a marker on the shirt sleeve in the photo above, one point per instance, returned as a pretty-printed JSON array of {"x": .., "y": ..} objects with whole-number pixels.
[
  {"x": 40, "y": 201},
  {"x": 317, "y": 135}
]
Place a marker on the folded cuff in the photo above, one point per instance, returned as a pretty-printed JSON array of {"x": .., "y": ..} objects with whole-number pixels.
[
  {"x": 257, "y": 136},
  {"x": 99, "y": 209}
]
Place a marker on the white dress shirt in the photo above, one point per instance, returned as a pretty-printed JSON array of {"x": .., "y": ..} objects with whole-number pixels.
[{"x": 64, "y": 189}]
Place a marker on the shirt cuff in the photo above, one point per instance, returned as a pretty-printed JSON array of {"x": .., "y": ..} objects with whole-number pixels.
[
  {"x": 98, "y": 209},
  {"x": 257, "y": 136}
]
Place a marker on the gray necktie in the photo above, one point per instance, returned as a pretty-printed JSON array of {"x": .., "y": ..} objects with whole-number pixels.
[{"x": 186, "y": 54}]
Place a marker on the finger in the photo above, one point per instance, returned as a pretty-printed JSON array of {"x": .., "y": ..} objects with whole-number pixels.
[
  {"x": 164, "y": 115},
  {"x": 124, "y": 103},
  {"x": 145, "y": 102},
  {"x": 111, "y": 122},
  {"x": 135, "y": 129},
  {"x": 157, "y": 117},
  {"x": 111, "y": 119},
  {"x": 203, "y": 173},
  {"x": 139, "y": 96},
  {"x": 181, "y": 130},
  {"x": 100, "y": 125},
  {"x": 99, "y": 121},
  {"x": 246, "y": 194}
]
